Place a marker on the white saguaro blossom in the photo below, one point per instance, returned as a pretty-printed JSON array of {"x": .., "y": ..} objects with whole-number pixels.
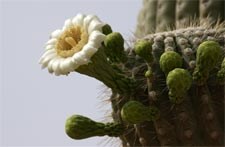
[{"x": 73, "y": 45}]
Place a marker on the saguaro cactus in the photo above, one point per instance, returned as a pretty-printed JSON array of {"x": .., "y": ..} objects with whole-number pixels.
[{"x": 167, "y": 88}]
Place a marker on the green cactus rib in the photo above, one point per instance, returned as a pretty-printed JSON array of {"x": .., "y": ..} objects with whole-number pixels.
[
  {"x": 186, "y": 11},
  {"x": 186, "y": 123},
  {"x": 147, "y": 21},
  {"x": 81, "y": 127},
  {"x": 212, "y": 10},
  {"x": 157, "y": 16},
  {"x": 165, "y": 17},
  {"x": 210, "y": 128}
]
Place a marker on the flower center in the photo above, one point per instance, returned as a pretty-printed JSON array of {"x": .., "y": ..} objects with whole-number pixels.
[{"x": 71, "y": 41}]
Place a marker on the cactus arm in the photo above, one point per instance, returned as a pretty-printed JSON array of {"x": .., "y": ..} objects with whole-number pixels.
[
  {"x": 165, "y": 16},
  {"x": 186, "y": 11},
  {"x": 212, "y": 10}
]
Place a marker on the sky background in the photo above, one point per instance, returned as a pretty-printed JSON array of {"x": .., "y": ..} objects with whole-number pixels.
[{"x": 33, "y": 103}]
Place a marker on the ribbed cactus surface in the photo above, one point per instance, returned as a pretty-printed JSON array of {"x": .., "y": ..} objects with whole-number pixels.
[{"x": 159, "y": 15}]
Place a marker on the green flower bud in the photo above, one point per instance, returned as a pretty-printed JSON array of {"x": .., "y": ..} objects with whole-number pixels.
[
  {"x": 170, "y": 60},
  {"x": 149, "y": 74},
  {"x": 178, "y": 81},
  {"x": 81, "y": 127},
  {"x": 143, "y": 48},
  {"x": 106, "y": 29},
  {"x": 135, "y": 112},
  {"x": 114, "y": 44},
  {"x": 208, "y": 55}
]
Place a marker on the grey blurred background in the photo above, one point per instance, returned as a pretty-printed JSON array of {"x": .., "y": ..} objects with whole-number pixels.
[{"x": 34, "y": 104}]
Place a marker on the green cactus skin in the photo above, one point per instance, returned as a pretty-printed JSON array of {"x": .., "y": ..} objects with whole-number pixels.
[
  {"x": 169, "y": 61},
  {"x": 134, "y": 112},
  {"x": 165, "y": 17},
  {"x": 212, "y": 10},
  {"x": 157, "y": 16},
  {"x": 186, "y": 10},
  {"x": 179, "y": 82},
  {"x": 209, "y": 54},
  {"x": 147, "y": 21},
  {"x": 81, "y": 127}
]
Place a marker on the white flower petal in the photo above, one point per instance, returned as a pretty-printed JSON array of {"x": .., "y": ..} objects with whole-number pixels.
[
  {"x": 68, "y": 23},
  {"x": 49, "y": 47},
  {"x": 48, "y": 52},
  {"x": 47, "y": 59},
  {"x": 80, "y": 58},
  {"x": 67, "y": 65},
  {"x": 56, "y": 33},
  {"x": 56, "y": 66},
  {"x": 52, "y": 41},
  {"x": 78, "y": 20},
  {"x": 50, "y": 68},
  {"x": 87, "y": 20},
  {"x": 89, "y": 50},
  {"x": 95, "y": 25},
  {"x": 96, "y": 37},
  {"x": 61, "y": 65}
]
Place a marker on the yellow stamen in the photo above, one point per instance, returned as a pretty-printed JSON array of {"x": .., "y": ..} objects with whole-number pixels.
[{"x": 71, "y": 41}]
